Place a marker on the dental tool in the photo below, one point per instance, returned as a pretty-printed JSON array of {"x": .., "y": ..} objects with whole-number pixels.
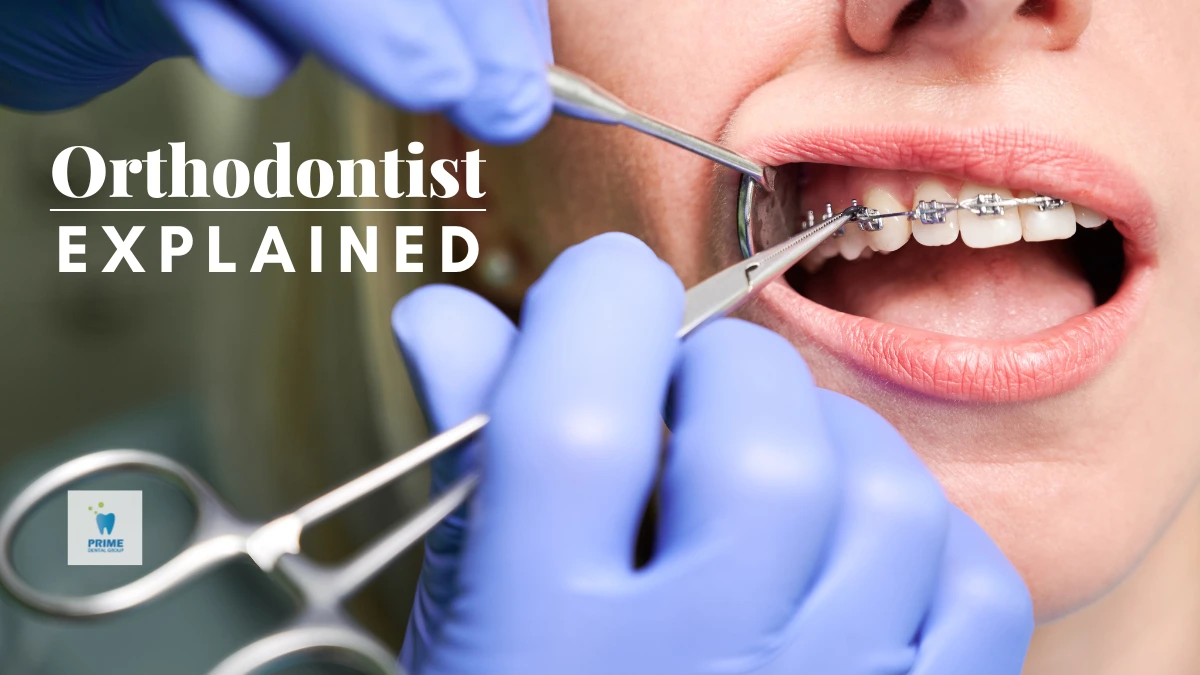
[
  {"x": 578, "y": 97},
  {"x": 732, "y": 287}
]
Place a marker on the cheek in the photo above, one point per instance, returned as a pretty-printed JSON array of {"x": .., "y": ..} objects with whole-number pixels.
[
  {"x": 594, "y": 179},
  {"x": 591, "y": 178}
]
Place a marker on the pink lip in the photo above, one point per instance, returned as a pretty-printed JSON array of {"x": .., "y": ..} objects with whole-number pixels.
[{"x": 949, "y": 367}]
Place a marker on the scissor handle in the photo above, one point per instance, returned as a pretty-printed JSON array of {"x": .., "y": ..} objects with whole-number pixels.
[
  {"x": 217, "y": 537},
  {"x": 334, "y": 639},
  {"x": 348, "y": 578}
]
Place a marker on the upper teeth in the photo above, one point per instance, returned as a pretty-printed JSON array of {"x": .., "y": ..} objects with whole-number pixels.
[
  {"x": 985, "y": 216},
  {"x": 933, "y": 212}
]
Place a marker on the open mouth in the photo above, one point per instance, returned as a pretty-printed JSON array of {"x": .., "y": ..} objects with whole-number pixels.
[
  {"x": 1007, "y": 275},
  {"x": 1009, "y": 306}
]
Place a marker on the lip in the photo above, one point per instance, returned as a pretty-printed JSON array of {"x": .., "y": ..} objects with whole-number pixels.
[{"x": 965, "y": 369}]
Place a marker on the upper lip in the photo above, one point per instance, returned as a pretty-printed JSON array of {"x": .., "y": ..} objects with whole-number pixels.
[{"x": 1019, "y": 157}]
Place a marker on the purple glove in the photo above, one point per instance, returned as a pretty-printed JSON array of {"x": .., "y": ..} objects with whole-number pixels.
[
  {"x": 483, "y": 63},
  {"x": 797, "y": 532}
]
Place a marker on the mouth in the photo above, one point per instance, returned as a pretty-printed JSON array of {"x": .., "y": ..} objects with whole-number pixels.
[{"x": 998, "y": 308}]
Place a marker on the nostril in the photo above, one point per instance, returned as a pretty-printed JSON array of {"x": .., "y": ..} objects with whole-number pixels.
[
  {"x": 982, "y": 28},
  {"x": 1035, "y": 8},
  {"x": 938, "y": 13},
  {"x": 912, "y": 14},
  {"x": 1061, "y": 22}
]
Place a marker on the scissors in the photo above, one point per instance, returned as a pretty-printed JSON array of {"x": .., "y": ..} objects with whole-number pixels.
[{"x": 322, "y": 629}]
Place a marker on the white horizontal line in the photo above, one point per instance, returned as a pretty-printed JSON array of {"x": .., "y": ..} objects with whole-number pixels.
[{"x": 267, "y": 210}]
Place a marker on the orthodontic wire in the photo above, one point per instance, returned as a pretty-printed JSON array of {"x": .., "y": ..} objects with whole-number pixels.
[{"x": 935, "y": 212}]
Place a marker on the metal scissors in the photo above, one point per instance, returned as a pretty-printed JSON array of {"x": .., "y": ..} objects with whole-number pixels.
[{"x": 321, "y": 628}]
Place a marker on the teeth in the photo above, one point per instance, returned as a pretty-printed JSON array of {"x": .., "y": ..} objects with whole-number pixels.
[
  {"x": 813, "y": 261},
  {"x": 895, "y": 231},
  {"x": 1088, "y": 218},
  {"x": 1024, "y": 222},
  {"x": 828, "y": 248},
  {"x": 1047, "y": 225},
  {"x": 851, "y": 246},
  {"x": 988, "y": 231},
  {"x": 937, "y": 234}
]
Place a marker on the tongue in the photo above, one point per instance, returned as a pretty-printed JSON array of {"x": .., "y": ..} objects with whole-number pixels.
[{"x": 997, "y": 293}]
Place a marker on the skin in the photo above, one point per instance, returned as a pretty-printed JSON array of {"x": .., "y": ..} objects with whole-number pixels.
[{"x": 1090, "y": 492}]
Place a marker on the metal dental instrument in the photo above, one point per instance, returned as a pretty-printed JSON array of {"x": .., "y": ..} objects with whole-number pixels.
[
  {"x": 732, "y": 287},
  {"x": 576, "y": 96},
  {"x": 321, "y": 628},
  {"x": 768, "y": 216}
]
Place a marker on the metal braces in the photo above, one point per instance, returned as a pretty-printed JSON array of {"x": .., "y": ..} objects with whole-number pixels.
[{"x": 935, "y": 213}]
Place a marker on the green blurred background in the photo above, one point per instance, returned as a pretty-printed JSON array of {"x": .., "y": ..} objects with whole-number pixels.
[{"x": 272, "y": 386}]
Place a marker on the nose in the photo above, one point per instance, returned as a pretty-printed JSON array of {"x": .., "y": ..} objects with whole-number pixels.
[{"x": 978, "y": 29}]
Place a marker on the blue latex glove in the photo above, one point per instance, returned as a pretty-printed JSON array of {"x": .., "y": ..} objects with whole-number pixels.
[
  {"x": 481, "y": 62},
  {"x": 797, "y": 531}
]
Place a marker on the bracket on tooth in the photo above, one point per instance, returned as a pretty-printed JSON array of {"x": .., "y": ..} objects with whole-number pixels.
[
  {"x": 933, "y": 213},
  {"x": 994, "y": 205},
  {"x": 988, "y": 204},
  {"x": 868, "y": 219},
  {"x": 1044, "y": 203}
]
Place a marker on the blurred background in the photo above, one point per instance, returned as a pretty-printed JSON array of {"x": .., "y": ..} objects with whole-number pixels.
[{"x": 272, "y": 386}]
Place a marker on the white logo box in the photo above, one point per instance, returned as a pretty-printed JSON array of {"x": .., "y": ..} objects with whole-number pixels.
[{"x": 104, "y": 527}]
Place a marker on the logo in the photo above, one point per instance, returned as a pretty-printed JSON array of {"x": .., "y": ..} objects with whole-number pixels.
[
  {"x": 104, "y": 521},
  {"x": 104, "y": 527}
]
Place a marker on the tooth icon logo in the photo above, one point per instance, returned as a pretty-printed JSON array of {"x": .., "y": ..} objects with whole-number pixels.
[{"x": 104, "y": 521}]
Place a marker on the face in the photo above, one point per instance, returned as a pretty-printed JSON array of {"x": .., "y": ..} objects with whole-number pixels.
[{"x": 1041, "y": 369}]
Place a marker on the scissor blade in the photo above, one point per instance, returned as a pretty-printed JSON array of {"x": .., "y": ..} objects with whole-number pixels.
[
  {"x": 335, "y": 500},
  {"x": 714, "y": 297},
  {"x": 770, "y": 264},
  {"x": 732, "y": 287}
]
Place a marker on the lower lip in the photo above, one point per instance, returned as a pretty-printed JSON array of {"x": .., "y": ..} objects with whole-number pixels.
[{"x": 964, "y": 369}]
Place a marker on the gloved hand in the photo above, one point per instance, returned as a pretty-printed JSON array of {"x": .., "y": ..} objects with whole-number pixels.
[
  {"x": 797, "y": 532},
  {"x": 481, "y": 62}
]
